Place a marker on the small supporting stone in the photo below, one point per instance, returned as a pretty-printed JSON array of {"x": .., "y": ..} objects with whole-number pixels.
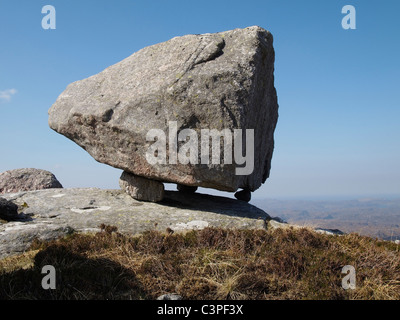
[
  {"x": 140, "y": 188},
  {"x": 244, "y": 195},
  {"x": 186, "y": 189}
]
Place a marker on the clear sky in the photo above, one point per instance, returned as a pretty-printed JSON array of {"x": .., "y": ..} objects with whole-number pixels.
[{"x": 338, "y": 90}]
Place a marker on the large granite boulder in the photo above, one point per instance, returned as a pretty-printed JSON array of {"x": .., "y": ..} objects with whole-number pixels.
[
  {"x": 27, "y": 179},
  {"x": 221, "y": 81}
]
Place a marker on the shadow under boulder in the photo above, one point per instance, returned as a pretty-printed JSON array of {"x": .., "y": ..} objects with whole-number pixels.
[{"x": 8, "y": 210}]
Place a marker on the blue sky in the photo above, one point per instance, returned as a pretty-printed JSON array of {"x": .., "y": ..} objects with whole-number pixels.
[{"x": 338, "y": 90}]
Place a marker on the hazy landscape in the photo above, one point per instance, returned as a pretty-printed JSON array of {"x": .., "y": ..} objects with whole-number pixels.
[
  {"x": 375, "y": 217},
  {"x": 151, "y": 146}
]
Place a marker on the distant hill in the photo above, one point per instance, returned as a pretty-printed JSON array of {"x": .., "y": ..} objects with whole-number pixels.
[{"x": 378, "y": 218}]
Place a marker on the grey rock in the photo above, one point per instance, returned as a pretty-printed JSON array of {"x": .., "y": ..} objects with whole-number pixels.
[
  {"x": 170, "y": 296},
  {"x": 329, "y": 231},
  {"x": 278, "y": 223},
  {"x": 140, "y": 188},
  {"x": 243, "y": 195},
  {"x": 8, "y": 210},
  {"x": 27, "y": 179},
  {"x": 16, "y": 237},
  {"x": 210, "y": 81},
  {"x": 56, "y": 212}
]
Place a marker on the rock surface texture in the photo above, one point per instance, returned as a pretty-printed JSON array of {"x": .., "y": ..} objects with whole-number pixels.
[
  {"x": 27, "y": 180},
  {"x": 210, "y": 81},
  {"x": 170, "y": 296},
  {"x": 49, "y": 214}
]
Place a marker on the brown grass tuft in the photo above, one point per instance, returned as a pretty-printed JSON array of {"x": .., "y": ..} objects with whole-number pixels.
[{"x": 212, "y": 263}]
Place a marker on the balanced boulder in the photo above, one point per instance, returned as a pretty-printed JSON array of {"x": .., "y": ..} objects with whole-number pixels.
[
  {"x": 138, "y": 114},
  {"x": 27, "y": 179}
]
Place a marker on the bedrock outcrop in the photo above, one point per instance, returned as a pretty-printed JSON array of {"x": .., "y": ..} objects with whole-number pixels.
[{"x": 53, "y": 213}]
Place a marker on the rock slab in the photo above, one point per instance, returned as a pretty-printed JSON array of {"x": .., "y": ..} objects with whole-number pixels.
[
  {"x": 27, "y": 179},
  {"x": 220, "y": 81},
  {"x": 48, "y": 214}
]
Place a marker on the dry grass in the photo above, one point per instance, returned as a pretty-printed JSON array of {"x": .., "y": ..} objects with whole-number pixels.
[{"x": 207, "y": 264}]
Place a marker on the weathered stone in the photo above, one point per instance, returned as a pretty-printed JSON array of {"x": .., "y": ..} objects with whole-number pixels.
[
  {"x": 140, "y": 188},
  {"x": 49, "y": 214},
  {"x": 170, "y": 296},
  {"x": 331, "y": 232},
  {"x": 244, "y": 195},
  {"x": 211, "y": 81},
  {"x": 8, "y": 210},
  {"x": 26, "y": 180},
  {"x": 186, "y": 189},
  {"x": 278, "y": 223},
  {"x": 55, "y": 212},
  {"x": 16, "y": 237}
]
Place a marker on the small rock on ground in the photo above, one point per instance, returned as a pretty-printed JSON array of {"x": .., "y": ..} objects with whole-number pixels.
[
  {"x": 170, "y": 296},
  {"x": 140, "y": 188}
]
